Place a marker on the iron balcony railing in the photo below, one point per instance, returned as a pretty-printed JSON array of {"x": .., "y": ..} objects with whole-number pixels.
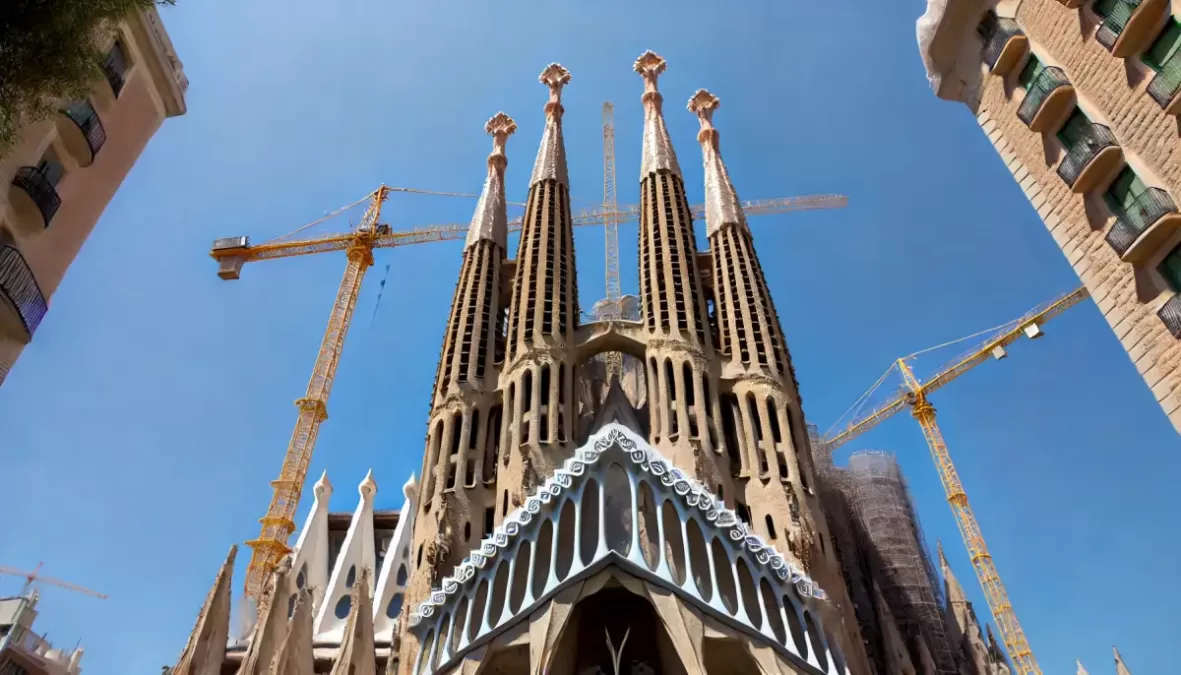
[
  {"x": 84, "y": 115},
  {"x": 1115, "y": 22},
  {"x": 1131, "y": 222},
  {"x": 19, "y": 287},
  {"x": 38, "y": 187},
  {"x": 112, "y": 72},
  {"x": 1002, "y": 32},
  {"x": 1164, "y": 86},
  {"x": 1039, "y": 90},
  {"x": 1079, "y": 154},
  {"x": 1170, "y": 315}
]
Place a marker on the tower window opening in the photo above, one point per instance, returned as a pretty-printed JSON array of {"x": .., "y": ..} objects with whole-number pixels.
[
  {"x": 687, "y": 377},
  {"x": 730, "y": 433},
  {"x": 561, "y": 383},
  {"x": 451, "y": 464},
  {"x": 489, "y": 521},
  {"x": 771, "y": 526},
  {"x": 504, "y": 505},
  {"x": 527, "y": 392},
  {"x": 492, "y": 445},
  {"x": 773, "y": 418},
  {"x": 473, "y": 441},
  {"x": 781, "y": 459},
  {"x": 755, "y": 420},
  {"x": 419, "y": 563},
  {"x": 467, "y": 532},
  {"x": 456, "y": 430},
  {"x": 671, "y": 388}
]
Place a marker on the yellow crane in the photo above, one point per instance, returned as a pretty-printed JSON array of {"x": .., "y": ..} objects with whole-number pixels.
[
  {"x": 358, "y": 243},
  {"x": 33, "y": 576},
  {"x": 914, "y": 395}
]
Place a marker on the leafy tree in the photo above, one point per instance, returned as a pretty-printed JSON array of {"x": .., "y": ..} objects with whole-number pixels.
[{"x": 49, "y": 54}]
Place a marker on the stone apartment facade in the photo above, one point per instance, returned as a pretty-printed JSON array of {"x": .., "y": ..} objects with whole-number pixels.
[
  {"x": 62, "y": 172},
  {"x": 1080, "y": 99}
]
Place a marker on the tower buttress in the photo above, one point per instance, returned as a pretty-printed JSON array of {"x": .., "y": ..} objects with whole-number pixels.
[
  {"x": 682, "y": 388},
  {"x": 463, "y": 431},
  {"x": 539, "y": 371}
]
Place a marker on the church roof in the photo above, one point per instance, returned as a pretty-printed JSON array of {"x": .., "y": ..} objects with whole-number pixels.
[{"x": 461, "y": 612}]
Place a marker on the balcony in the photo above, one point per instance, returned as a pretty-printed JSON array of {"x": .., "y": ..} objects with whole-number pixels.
[
  {"x": 1130, "y": 25},
  {"x": 1091, "y": 160},
  {"x": 1170, "y": 315},
  {"x": 36, "y": 200},
  {"x": 1165, "y": 88},
  {"x": 1140, "y": 229},
  {"x": 22, "y": 306},
  {"x": 1048, "y": 100},
  {"x": 81, "y": 131},
  {"x": 1005, "y": 48}
]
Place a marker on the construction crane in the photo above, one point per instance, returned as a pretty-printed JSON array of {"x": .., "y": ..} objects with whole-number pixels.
[
  {"x": 34, "y": 576},
  {"x": 914, "y": 394},
  {"x": 358, "y": 243},
  {"x": 611, "y": 235}
]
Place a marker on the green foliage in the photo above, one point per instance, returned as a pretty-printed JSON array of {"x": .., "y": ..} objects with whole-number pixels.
[{"x": 49, "y": 55}]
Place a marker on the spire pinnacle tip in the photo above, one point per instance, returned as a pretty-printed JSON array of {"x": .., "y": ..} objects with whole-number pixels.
[
  {"x": 500, "y": 124},
  {"x": 703, "y": 104},
  {"x": 555, "y": 76},
  {"x": 650, "y": 65}
]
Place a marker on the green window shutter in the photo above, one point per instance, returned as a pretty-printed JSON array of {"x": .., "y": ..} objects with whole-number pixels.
[
  {"x": 1165, "y": 46},
  {"x": 1075, "y": 129},
  {"x": 1170, "y": 269},
  {"x": 1032, "y": 69},
  {"x": 1104, "y": 7},
  {"x": 1124, "y": 190}
]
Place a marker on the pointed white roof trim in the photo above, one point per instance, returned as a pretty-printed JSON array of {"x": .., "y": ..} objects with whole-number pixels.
[
  {"x": 490, "y": 220},
  {"x": 309, "y": 564},
  {"x": 356, "y": 554},
  {"x": 693, "y": 494},
  {"x": 395, "y": 571}
]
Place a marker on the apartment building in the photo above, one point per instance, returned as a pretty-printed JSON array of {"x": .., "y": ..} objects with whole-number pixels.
[
  {"x": 63, "y": 171},
  {"x": 1081, "y": 100}
]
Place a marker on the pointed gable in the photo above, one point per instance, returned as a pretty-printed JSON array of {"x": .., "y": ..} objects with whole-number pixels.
[
  {"x": 295, "y": 656},
  {"x": 356, "y": 556},
  {"x": 583, "y": 519},
  {"x": 357, "y": 653}
]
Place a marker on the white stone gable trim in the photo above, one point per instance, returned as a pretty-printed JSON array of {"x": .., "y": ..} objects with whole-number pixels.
[{"x": 693, "y": 494}]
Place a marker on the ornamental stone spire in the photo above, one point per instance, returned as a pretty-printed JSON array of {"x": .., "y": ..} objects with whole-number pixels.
[
  {"x": 490, "y": 220},
  {"x": 658, "y": 151},
  {"x": 551, "y": 156},
  {"x": 721, "y": 199}
]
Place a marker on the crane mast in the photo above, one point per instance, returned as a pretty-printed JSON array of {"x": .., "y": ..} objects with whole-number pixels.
[
  {"x": 611, "y": 233},
  {"x": 990, "y": 580},
  {"x": 278, "y": 524}
]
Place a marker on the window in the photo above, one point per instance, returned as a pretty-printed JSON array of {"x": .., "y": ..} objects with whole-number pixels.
[
  {"x": 51, "y": 167},
  {"x": 1170, "y": 269},
  {"x": 1104, "y": 7},
  {"x": 1124, "y": 191},
  {"x": 1075, "y": 130},
  {"x": 115, "y": 67},
  {"x": 1165, "y": 46},
  {"x": 1033, "y": 68}
]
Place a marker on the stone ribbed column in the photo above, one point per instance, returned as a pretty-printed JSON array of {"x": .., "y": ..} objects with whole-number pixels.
[
  {"x": 463, "y": 432},
  {"x": 538, "y": 379},
  {"x": 682, "y": 388}
]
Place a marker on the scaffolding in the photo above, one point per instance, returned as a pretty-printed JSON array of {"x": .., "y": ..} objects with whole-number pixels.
[{"x": 893, "y": 542}]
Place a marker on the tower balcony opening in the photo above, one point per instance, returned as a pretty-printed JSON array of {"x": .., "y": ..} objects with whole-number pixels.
[
  {"x": 1048, "y": 96},
  {"x": 1005, "y": 44},
  {"x": 23, "y": 303},
  {"x": 1127, "y": 24},
  {"x": 1092, "y": 154},
  {"x": 35, "y": 200},
  {"x": 1170, "y": 315},
  {"x": 81, "y": 131},
  {"x": 1142, "y": 224}
]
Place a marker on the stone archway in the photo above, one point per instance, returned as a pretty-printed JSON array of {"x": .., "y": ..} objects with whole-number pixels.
[{"x": 615, "y": 625}]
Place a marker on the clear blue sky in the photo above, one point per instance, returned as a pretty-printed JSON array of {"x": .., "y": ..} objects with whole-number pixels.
[{"x": 144, "y": 423}]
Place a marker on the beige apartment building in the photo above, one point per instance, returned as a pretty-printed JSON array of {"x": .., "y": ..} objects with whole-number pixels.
[
  {"x": 62, "y": 172},
  {"x": 1081, "y": 100}
]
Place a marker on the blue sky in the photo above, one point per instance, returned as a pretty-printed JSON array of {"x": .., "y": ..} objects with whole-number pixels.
[{"x": 144, "y": 423}]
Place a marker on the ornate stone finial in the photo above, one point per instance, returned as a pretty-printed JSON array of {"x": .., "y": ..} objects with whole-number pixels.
[
  {"x": 703, "y": 104},
  {"x": 368, "y": 486},
  {"x": 323, "y": 488},
  {"x": 499, "y": 127},
  {"x": 555, "y": 77},
  {"x": 650, "y": 65}
]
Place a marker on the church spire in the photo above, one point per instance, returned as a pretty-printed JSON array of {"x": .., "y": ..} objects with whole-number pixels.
[
  {"x": 721, "y": 200},
  {"x": 658, "y": 152},
  {"x": 1081, "y": 670},
  {"x": 490, "y": 220},
  {"x": 1120, "y": 668},
  {"x": 207, "y": 644},
  {"x": 955, "y": 592},
  {"x": 551, "y": 156}
]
